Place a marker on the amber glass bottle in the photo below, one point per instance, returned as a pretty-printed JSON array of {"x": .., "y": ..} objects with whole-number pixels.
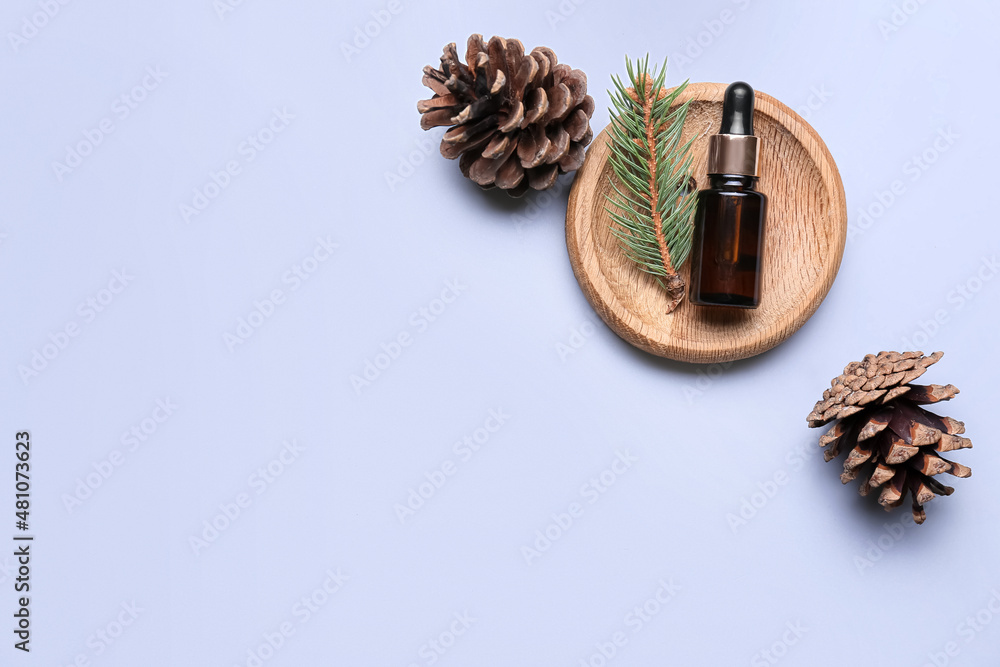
[{"x": 729, "y": 222}]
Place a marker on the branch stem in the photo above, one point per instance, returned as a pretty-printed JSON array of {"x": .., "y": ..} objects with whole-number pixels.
[{"x": 654, "y": 188}]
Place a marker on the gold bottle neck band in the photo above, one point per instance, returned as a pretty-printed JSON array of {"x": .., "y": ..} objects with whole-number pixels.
[{"x": 733, "y": 154}]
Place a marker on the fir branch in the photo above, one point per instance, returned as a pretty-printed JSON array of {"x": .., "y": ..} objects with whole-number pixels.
[{"x": 651, "y": 206}]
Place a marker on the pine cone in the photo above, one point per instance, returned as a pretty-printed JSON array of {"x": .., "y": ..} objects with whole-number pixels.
[
  {"x": 519, "y": 120},
  {"x": 892, "y": 441}
]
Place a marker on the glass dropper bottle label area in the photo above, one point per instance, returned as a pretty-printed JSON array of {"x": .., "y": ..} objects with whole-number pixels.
[{"x": 729, "y": 221}]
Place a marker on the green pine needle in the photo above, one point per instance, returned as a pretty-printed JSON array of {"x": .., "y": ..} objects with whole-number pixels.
[{"x": 636, "y": 194}]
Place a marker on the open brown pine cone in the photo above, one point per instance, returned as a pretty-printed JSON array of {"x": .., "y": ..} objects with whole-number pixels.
[
  {"x": 518, "y": 120},
  {"x": 892, "y": 442}
]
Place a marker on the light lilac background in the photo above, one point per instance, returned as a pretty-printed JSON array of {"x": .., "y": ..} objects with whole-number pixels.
[{"x": 816, "y": 576}]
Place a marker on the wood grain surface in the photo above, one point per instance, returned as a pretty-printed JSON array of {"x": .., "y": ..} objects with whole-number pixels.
[{"x": 805, "y": 233}]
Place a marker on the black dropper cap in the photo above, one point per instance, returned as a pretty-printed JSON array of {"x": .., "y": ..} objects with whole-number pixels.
[
  {"x": 734, "y": 150},
  {"x": 737, "y": 110}
]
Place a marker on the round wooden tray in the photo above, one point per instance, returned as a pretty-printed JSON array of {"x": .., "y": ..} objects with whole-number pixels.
[{"x": 806, "y": 229}]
